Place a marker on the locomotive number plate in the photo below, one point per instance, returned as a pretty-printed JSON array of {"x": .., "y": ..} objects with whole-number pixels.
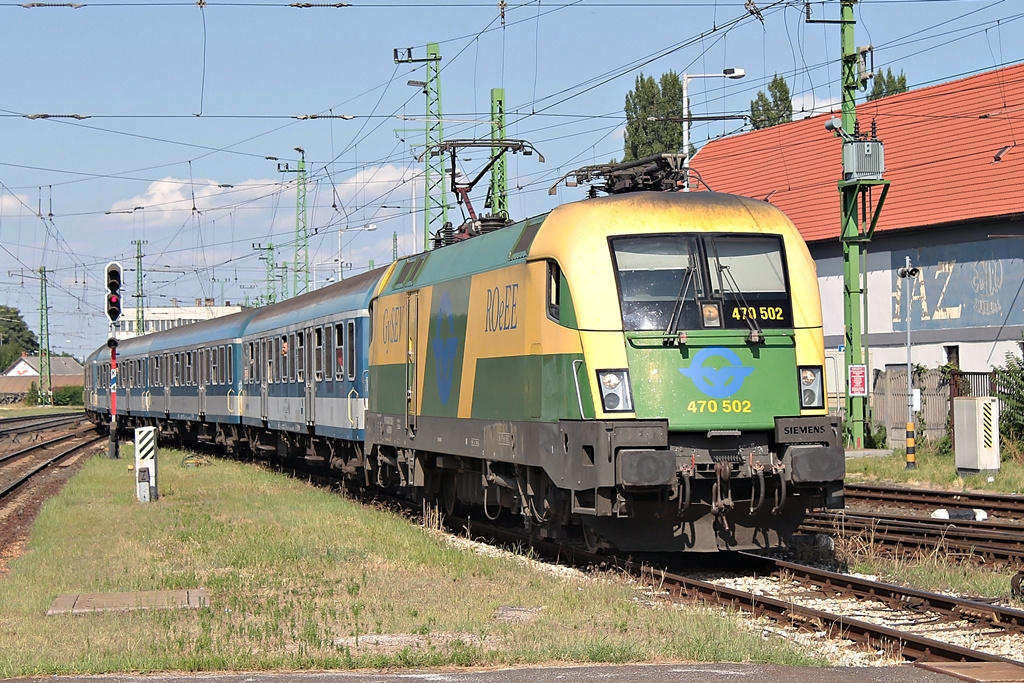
[{"x": 723, "y": 406}]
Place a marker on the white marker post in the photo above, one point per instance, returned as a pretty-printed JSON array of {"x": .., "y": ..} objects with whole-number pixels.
[{"x": 145, "y": 464}]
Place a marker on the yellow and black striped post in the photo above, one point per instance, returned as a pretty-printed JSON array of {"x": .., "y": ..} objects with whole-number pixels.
[
  {"x": 911, "y": 450},
  {"x": 145, "y": 464}
]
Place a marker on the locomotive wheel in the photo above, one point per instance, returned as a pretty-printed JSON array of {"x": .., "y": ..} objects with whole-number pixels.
[
  {"x": 591, "y": 539},
  {"x": 448, "y": 494}
]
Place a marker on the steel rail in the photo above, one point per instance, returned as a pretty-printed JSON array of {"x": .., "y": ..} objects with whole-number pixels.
[
  {"x": 42, "y": 466},
  {"x": 42, "y": 444},
  {"x": 905, "y": 496},
  {"x": 911, "y": 646},
  {"x": 991, "y": 615},
  {"x": 998, "y": 546}
]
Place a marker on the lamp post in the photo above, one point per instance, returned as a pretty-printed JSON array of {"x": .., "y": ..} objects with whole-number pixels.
[
  {"x": 726, "y": 73},
  {"x": 906, "y": 273}
]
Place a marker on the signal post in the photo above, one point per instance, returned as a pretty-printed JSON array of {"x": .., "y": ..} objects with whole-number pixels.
[{"x": 113, "y": 302}]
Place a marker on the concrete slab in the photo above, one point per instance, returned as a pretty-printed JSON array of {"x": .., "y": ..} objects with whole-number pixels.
[
  {"x": 134, "y": 600},
  {"x": 977, "y": 672},
  {"x": 868, "y": 452}
]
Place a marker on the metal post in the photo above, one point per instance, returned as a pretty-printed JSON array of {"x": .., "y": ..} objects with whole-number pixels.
[
  {"x": 907, "y": 273},
  {"x": 113, "y": 447},
  {"x": 686, "y": 134}
]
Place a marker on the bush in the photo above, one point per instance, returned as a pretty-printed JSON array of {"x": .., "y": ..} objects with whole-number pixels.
[
  {"x": 1010, "y": 391},
  {"x": 68, "y": 396},
  {"x": 32, "y": 397}
]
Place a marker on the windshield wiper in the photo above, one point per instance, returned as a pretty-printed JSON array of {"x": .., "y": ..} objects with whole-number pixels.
[
  {"x": 756, "y": 333},
  {"x": 677, "y": 310}
]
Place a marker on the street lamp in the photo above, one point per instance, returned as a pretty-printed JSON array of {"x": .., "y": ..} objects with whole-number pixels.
[
  {"x": 726, "y": 73},
  {"x": 906, "y": 273}
]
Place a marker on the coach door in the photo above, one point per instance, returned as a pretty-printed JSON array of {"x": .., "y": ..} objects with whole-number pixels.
[
  {"x": 202, "y": 377},
  {"x": 266, "y": 376},
  {"x": 308, "y": 376},
  {"x": 412, "y": 388}
]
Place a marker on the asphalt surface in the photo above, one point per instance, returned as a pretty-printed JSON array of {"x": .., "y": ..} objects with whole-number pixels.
[{"x": 674, "y": 673}]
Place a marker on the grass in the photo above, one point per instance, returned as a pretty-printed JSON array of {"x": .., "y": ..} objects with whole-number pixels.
[
  {"x": 936, "y": 467},
  {"x": 938, "y": 571},
  {"x": 21, "y": 410},
  {"x": 302, "y": 578}
]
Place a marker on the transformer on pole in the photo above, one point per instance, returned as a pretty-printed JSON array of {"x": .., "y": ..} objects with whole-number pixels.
[{"x": 435, "y": 200}]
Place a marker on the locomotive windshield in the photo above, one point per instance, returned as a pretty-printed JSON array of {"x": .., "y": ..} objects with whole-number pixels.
[{"x": 666, "y": 282}]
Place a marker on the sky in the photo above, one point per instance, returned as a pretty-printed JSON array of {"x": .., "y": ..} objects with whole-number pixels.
[{"x": 171, "y": 124}]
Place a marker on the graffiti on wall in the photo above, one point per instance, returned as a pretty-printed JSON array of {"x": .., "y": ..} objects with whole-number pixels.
[{"x": 976, "y": 284}]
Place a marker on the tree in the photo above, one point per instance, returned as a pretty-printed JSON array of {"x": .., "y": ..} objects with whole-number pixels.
[
  {"x": 765, "y": 113},
  {"x": 886, "y": 84},
  {"x": 15, "y": 337},
  {"x": 659, "y": 101}
]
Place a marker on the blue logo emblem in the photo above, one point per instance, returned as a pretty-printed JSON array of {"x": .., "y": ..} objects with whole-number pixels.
[
  {"x": 720, "y": 382},
  {"x": 445, "y": 345}
]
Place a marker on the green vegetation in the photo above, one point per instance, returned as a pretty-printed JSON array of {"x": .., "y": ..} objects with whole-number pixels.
[
  {"x": 885, "y": 83},
  {"x": 938, "y": 570},
  {"x": 302, "y": 578},
  {"x": 765, "y": 112},
  {"x": 654, "y": 113},
  {"x": 936, "y": 467},
  {"x": 62, "y": 396},
  {"x": 15, "y": 337}
]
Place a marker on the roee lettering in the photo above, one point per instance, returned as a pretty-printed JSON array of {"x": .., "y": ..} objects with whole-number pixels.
[
  {"x": 501, "y": 309},
  {"x": 392, "y": 325}
]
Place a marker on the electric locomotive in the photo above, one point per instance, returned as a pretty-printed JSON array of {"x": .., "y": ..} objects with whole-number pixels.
[
  {"x": 643, "y": 370},
  {"x": 646, "y": 367}
]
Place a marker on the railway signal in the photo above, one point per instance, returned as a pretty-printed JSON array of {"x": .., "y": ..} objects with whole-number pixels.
[{"x": 113, "y": 291}]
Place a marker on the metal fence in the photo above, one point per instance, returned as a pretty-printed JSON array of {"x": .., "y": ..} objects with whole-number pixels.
[{"x": 889, "y": 401}]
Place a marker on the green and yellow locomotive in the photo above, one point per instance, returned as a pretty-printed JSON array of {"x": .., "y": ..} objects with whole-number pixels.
[{"x": 646, "y": 369}]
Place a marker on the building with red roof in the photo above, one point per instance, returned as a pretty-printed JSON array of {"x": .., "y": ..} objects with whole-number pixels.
[{"x": 954, "y": 154}]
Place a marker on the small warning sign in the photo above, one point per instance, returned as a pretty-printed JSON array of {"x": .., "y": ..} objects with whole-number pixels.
[{"x": 858, "y": 383}]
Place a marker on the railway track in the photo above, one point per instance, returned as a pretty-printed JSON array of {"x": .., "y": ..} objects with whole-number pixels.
[
  {"x": 940, "y": 617},
  {"x": 905, "y": 498},
  {"x": 13, "y": 429},
  {"x": 989, "y": 542},
  {"x": 19, "y": 467},
  {"x": 915, "y": 625}
]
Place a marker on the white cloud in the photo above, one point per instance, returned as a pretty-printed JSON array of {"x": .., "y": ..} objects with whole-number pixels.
[{"x": 808, "y": 105}]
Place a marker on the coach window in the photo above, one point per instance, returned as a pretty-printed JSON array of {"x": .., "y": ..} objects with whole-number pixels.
[
  {"x": 318, "y": 355},
  {"x": 229, "y": 366},
  {"x": 259, "y": 361},
  {"x": 247, "y": 363},
  {"x": 351, "y": 349},
  {"x": 554, "y": 278},
  {"x": 212, "y": 375},
  {"x": 223, "y": 365},
  {"x": 339, "y": 350},
  {"x": 291, "y": 358},
  {"x": 300, "y": 357},
  {"x": 328, "y": 354}
]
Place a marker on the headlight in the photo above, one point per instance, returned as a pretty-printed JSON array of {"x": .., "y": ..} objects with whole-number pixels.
[
  {"x": 812, "y": 394},
  {"x": 615, "y": 393},
  {"x": 712, "y": 315}
]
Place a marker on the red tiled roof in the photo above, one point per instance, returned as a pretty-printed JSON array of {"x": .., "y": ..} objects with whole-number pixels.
[{"x": 940, "y": 143}]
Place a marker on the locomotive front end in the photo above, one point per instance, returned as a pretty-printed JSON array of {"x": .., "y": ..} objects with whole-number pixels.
[{"x": 704, "y": 346}]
